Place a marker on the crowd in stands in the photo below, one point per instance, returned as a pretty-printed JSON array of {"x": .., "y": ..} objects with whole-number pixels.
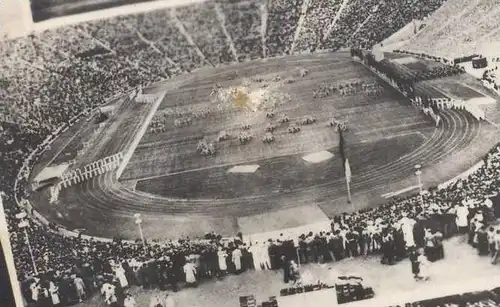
[
  {"x": 492, "y": 78},
  {"x": 474, "y": 30},
  {"x": 93, "y": 59},
  {"x": 50, "y": 77},
  {"x": 438, "y": 72}
]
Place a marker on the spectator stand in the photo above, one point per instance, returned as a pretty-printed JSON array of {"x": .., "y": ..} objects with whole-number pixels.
[
  {"x": 429, "y": 105},
  {"x": 25, "y": 170}
]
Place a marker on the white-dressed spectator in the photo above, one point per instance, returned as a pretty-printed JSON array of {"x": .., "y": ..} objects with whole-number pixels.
[
  {"x": 168, "y": 300},
  {"x": 255, "y": 251},
  {"x": 54, "y": 294},
  {"x": 221, "y": 256},
  {"x": 35, "y": 289},
  {"x": 479, "y": 216},
  {"x": 407, "y": 224},
  {"x": 236, "y": 258},
  {"x": 424, "y": 265},
  {"x": 190, "y": 271},
  {"x": 129, "y": 301},
  {"x": 265, "y": 260},
  {"x": 461, "y": 212},
  {"x": 488, "y": 203},
  {"x": 80, "y": 287},
  {"x": 120, "y": 275},
  {"x": 109, "y": 292}
]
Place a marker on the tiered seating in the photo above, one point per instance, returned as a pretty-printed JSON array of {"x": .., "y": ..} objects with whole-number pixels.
[
  {"x": 352, "y": 17},
  {"x": 244, "y": 25},
  {"x": 202, "y": 23},
  {"x": 319, "y": 16},
  {"x": 472, "y": 24},
  {"x": 282, "y": 21},
  {"x": 441, "y": 17}
]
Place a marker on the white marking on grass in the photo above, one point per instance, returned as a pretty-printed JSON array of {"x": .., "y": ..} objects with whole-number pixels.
[
  {"x": 222, "y": 20},
  {"x": 318, "y": 157},
  {"x": 252, "y": 168},
  {"x": 217, "y": 166}
]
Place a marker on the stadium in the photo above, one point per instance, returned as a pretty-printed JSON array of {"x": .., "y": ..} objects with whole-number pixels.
[{"x": 205, "y": 149}]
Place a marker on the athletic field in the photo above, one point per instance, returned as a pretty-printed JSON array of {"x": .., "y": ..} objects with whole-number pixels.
[{"x": 295, "y": 180}]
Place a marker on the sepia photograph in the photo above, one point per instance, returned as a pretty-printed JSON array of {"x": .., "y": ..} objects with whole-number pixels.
[{"x": 291, "y": 153}]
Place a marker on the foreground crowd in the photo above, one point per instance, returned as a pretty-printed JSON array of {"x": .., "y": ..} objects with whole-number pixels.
[{"x": 73, "y": 269}]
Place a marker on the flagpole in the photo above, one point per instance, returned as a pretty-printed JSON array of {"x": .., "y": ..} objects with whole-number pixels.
[
  {"x": 349, "y": 200},
  {"x": 347, "y": 167}
]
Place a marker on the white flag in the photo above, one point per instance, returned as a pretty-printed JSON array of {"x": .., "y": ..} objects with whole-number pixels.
[{"x": 347, "y": 171}]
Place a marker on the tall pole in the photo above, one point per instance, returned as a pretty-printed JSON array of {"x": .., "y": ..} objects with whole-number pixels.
[
  {"x": 142, "y": 236},
  {"x": 24, "y": 224},
  {"x": 418, "y": 172},
  {"x": 138, "y": 221},
  {"x": 30, "y": 250},
  {"x": 349, "y": 200}
]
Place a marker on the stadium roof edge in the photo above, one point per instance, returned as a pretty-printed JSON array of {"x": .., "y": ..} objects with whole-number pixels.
[{"x": 110, "y": 12}]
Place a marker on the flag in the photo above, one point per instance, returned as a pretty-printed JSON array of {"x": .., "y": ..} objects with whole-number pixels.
[
  {"x": 343, "y": 155},
  {"x": 347, "y": 168}
]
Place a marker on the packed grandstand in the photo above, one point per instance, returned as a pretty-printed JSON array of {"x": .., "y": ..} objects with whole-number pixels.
[{"x": 49, "y": 78}]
